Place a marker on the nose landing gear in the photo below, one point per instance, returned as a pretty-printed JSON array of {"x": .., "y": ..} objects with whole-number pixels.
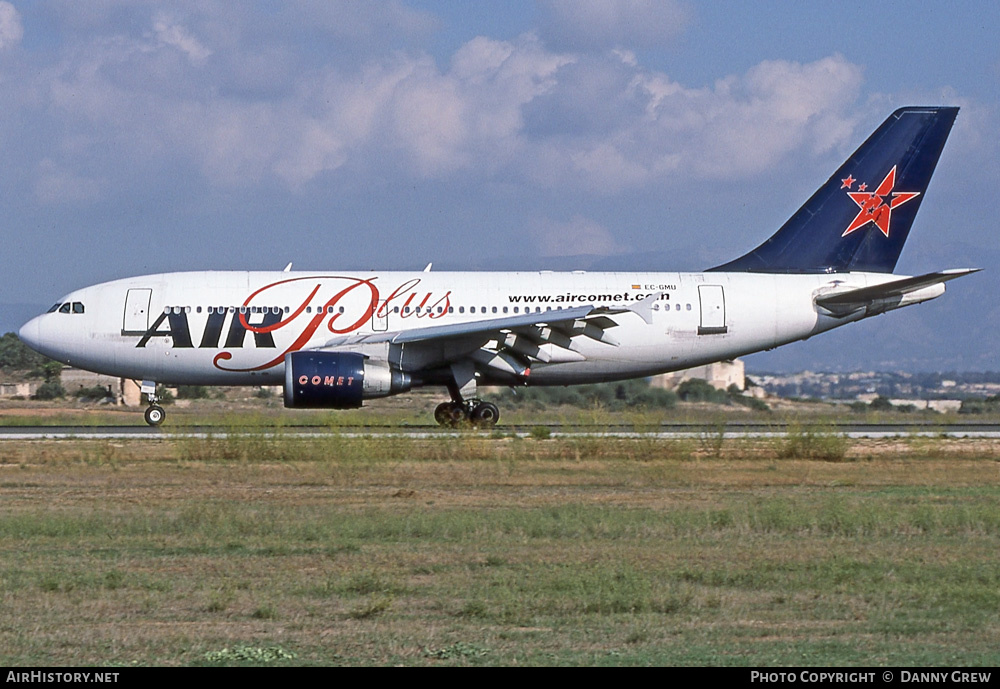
[{"x": 154, "y": 413}]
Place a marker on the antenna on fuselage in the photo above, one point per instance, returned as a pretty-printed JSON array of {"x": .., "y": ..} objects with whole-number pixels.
[
  {"x": 287, "y": 268},
  {"x": 428, "y": 268}
]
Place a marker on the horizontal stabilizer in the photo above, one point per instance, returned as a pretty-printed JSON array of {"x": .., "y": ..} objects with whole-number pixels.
[{"x": 840, "y": 303}]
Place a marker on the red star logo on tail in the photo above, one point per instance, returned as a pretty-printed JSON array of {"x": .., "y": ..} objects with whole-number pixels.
[{"x": 877, "y": 207}]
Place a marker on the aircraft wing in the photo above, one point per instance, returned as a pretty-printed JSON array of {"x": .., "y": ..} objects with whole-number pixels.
[
  {"x": 509, "y": 344},
  {"x": 890, "y": 294}
]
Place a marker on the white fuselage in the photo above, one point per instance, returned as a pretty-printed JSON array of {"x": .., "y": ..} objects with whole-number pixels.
[{"x": 234, "y": 328}]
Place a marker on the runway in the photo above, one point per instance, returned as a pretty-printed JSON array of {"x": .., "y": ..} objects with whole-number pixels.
[{"x": 733, "y": 429}]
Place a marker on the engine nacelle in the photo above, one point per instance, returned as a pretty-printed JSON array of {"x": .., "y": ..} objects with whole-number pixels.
[{"x": 338, "y": 380}]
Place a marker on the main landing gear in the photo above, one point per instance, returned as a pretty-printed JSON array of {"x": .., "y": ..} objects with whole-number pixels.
[
  {"x": 475, "y": 412},
  {"x": 154, "y": 414},
  {"x": 464, "y": 408}
]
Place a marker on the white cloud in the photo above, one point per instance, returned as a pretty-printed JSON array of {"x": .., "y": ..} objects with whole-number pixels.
[
  {"x": 430, "y": 122},
  {"x": 588, "y": 24},
  {"x": 54, "y": 185},
  {"x": 11, "y": 30},
  {"x": 741, "y": 126},
  {"x": 579, "y": 236},
  {"x": 173, "y": 34},
  {"x": 356, "y": 21},
  {"x": 514, "y": 110}
]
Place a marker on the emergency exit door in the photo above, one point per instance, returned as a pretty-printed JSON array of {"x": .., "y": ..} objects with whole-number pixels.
[{"x": 380, "y": 318}]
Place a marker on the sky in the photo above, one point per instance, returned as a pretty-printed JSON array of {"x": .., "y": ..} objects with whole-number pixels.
[{"x": 143, "y": 136}]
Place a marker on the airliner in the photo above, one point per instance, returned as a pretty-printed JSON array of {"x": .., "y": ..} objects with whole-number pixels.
[{"x": 334, "y": 339}]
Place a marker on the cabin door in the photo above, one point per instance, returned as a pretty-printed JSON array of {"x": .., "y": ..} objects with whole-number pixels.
[
  {"x": 136, "y": 319},
  {"x": 713, "y": 310}
]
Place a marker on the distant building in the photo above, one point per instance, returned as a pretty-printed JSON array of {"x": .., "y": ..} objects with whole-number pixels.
[
  {"x": 74, "y": 379},
  {"x": 123, "y": 390},
  {"x": 719, "y": 375},
  {"x": 18, "y": 389},
  {"x": 942, "y": 406}
]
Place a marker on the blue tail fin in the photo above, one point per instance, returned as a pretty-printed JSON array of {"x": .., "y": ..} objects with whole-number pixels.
[{"x": 861, "y": 217}]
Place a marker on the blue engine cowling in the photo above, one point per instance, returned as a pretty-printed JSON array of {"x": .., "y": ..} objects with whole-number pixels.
[{"x": 338, "y": 380}]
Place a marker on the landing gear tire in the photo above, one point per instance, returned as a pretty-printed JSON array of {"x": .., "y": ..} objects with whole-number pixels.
[
  {"x": 455, "y": 414},
  {"x": 485, "y": 415},
  {"x": 451, "y": 414},
  {"x": 441, "y": 413},
  {"x": 155, "y": 415}
]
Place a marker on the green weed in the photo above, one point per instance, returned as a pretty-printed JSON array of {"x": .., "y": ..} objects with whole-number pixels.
[{"x": 810, "y": 443}]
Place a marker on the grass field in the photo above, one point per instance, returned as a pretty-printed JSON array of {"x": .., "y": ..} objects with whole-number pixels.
[
  {"x": 264, "y": 549},
  {"x": 417, "y": 409}
]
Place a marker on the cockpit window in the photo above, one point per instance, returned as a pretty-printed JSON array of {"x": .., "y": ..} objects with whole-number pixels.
[{"x": 67, "y": 307}]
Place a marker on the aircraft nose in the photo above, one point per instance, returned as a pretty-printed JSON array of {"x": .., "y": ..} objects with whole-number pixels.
[{"x": 29, "y": 333}]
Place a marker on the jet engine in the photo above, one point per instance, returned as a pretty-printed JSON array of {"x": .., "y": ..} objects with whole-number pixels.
[{"x": 338, "y": 380}]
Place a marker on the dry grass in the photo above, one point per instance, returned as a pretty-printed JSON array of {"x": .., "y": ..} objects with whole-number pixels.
[{"x": 473, "y": 550}]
